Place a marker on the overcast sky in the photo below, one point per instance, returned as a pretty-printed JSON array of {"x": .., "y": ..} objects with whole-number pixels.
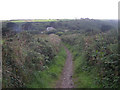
[{"x": 58, "y": 9}]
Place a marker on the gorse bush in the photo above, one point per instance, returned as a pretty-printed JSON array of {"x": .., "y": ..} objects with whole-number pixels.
[
  {"x": 104, "y": 59},
  {"x": 99, "y": 52},
  {"x": 23, "y": 54}
]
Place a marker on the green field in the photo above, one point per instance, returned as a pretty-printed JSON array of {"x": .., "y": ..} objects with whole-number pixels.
[{"x": 35, "y": 20}]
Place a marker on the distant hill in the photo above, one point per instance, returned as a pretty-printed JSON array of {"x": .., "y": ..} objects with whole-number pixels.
[{"x": 70, "y": 25}]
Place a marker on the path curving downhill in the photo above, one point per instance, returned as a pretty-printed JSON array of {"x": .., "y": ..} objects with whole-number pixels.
[{"x": 66, "y": 76}]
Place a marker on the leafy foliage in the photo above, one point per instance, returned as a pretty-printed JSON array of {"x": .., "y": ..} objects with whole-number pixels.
[
  {"x": 99, "y": 54},
  {"x": 24, "y": 54}
]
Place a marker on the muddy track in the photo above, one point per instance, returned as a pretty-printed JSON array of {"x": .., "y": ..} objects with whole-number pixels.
[{"x": 66, "y": 76}]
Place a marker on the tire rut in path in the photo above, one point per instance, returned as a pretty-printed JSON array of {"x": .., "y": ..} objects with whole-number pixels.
[{"x": 66, "y": 76}]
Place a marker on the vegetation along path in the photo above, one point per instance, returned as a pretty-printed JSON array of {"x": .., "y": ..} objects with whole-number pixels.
[{"x": 66, "y": 76}]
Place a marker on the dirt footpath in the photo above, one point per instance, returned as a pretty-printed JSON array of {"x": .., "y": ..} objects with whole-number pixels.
[{"x": 66, "y": 77}]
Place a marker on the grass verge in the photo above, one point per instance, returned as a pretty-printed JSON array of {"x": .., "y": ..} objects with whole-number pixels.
[
  {"x": 48, "y": 77},
  {"x": 82, "y": 78}
]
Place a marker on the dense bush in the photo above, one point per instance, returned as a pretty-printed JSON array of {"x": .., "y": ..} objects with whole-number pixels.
[
  {"x": 100, "y": 53},
  {"x": 23, "y": 54}
]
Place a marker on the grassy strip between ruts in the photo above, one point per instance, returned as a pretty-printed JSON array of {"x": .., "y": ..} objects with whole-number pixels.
[
  {"x": 48, "y": 77},
  {"x": 82, "y": 79}
]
